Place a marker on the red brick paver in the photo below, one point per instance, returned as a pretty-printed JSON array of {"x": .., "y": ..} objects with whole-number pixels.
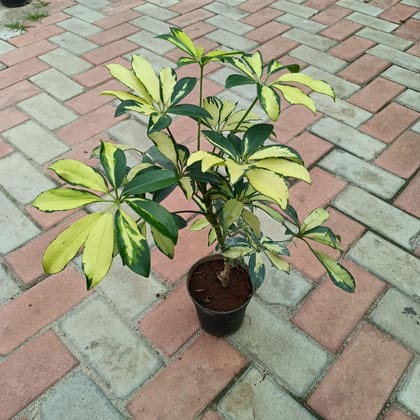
[
  {"x": 208, "y": 357},
  {"x": 38, "y": 307},
  {"x": 31, "y": 371},
  {"x": 361, "y": 381}
]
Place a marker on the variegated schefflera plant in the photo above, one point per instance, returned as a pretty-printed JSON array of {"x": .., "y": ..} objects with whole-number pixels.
[{"x": 240, "y": 173}]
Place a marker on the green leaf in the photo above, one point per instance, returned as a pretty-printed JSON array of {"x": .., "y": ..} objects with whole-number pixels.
[
  {"x": 232, "y": 210},
  {"x": 252, "y": 221},
  {"x": 237, "y": 80},
  {"x": 339, "y": 275},
  {"x": 165, "y": 145},
  {"x": 221, "y": 143},
  {"x": 269, "y": 184},
  {"x": 316, "y": 85},
  {"x": 211, "y": 237},
  {"x": 255, "y": 63},
  {"x": 285, "y": 168},
  {"x": 208, "y": 160},
  {"x": 323, "y": 235},
  {"x": 114, "y": 163},
  {"x": 58, "y": 199},
  {"x": 129, "y": 79},
  {"x": 67, "y": 244},
  {"x": 278, "y": 262},
  {"x": 236, "y": 170},
  {"x": 164, "y": 244},
  {"x": 274, "y": 214},
  {"x": 295, "y": 96},
  {"x": 255, "y": 136},
  {"x": 157, "y": 216},
  {"x": 167, "y": 79},
  {"x": 98, "y": 250},
  {"x": 237, "y": 251},
  {"x": 158, "y": 123},
  {"x": 147, "y": 76},
  {"x": 189, "y": 111},
  {"x": 316, "y": 218},
  {"x": 150, "y": 181},
  {"x": 78, "y": 173},
  {"x": 269, "y": 101},
  {"x": 274, "y": 66},
  {"x": 277, "y": 151},
  {"x": 182, "y": 88},
  {"x": 199, "y": 224},
  {"x": 181, "y": 40},
  {"x": 132, "y": 244},
  {"x": 256, "y": 270}
]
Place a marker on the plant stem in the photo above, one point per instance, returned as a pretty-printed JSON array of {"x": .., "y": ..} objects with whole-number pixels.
[
  {"x": 200, "y": 104},
  {"x": 224, "y": 276},
  {"x": 245, "y": 115}
]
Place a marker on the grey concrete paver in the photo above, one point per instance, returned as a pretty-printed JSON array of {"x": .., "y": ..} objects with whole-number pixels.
[
  {"x": 79, "y": 26},
  {"x": 388, "y": 262},
  {"x": 409, "y": 98},
  {"x": 8, "y": 288},
  {"x": 399, "y": 316},
  {"x": 318, "y": 58},
  {"x": 57, "y": 84},
  {"x": 10, "y": 217},
  {"x": 85, "y": 13},
  {"x": 408, "y": 396},
  {"x": 291, "y": 355},
  {"x": 403, "y": 76},
  {"x": 293, "y": 8},
  {"x": 367, "y": 176},
  {"x": 48, "y": 111},
  {"x": 397, "y": 57},
  {"x": 74, "y": 43},
  {"x": 65, "y": 61},
  {"x": 114, "y": 350},
  {"x": 77, "y": 397},
  {"x": 385, "y": 38},
  {"x": 36, "y": 142},
  {"x": 379, "y": 216},
  {"x": 311, "y": 40},
  {"x": 380, "y": 24},
  {"x": 348, "y": 138},
  {"x": 21, "y": 179},
  {"x": 256, "y": 396},
  {"x": 300, "y": 22}
]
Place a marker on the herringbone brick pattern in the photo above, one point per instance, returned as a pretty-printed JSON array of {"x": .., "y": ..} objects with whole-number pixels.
[{"x": 133, "y": 348}]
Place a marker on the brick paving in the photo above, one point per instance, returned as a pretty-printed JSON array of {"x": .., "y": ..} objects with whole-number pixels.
[{"x": 132, "y": 348}]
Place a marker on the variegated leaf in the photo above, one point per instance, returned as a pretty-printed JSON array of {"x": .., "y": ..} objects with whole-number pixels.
[
  {"x": 78, "y": 173},
  {"x": 199, "y": 224},
  {"x": 316, "y": 85},
  {"x": 278, "y": 262},
  {"x": 315, "y": 218},
  {"x": 295, "y": 96},
  {"x": 58, "y": 199},
  {"x": 277, "y": 151},
  {"x": 98, "y": 250},
  {"x": 269, "y": 184},
  {"x": 269, "y": 101},
  {"x": 256, "y": 270},
  {"x": 236, "y": 170},
  {"x": 67, "y": 244},
  {"x": 232, "y": 210},
  {"x": 114, "y": 163},
  {"x": 165, "y": 145},
  {"x": 285, "y": 168},
  {"x": 147, "y": 76},
  {"x": 167, "y": 78},
  {"x": 132, "y": 244}
]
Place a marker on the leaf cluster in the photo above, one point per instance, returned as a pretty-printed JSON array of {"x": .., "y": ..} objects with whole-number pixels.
[{"x": 235, "y": 172}]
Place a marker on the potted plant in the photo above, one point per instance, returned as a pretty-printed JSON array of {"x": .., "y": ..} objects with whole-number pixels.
[
  {"x": 234, "y": 173},
  {"x": 15, "y": 3}
]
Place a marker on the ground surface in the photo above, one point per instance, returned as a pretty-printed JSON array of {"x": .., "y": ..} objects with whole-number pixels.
[{"x": 133, "y": 347}]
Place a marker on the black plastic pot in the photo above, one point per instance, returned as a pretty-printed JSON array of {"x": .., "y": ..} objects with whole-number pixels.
[
  {"x": 217, "y": 323},
  {"x": 15, "y": 3}
]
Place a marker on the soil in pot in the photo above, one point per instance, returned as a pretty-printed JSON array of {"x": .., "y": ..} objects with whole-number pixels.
[
  {"x": 220, "y": 310},
  {"x": 207, "y": 290}
]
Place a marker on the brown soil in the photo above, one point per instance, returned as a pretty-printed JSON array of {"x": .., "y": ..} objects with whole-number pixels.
[{"x": 206, "y": 289}]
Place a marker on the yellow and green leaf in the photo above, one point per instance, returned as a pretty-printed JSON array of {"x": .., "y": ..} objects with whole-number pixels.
[
  {"x": 315, "y": 218},
  {"x": 129, "y": 79},
  {"x": 114, "y": 163},
  {"x": 167, "y": 79},
  {"x": 295, "y": 96},
  {"x": 232, "y": 210},
  {"x": 147, "y": 76},
  {"x": 278, "y": 262},
  {"x": 269, "y": 184},
  {"x": 316, "y": 85},
  {"x": 59, "y": 199},
  {"x": 340, "y": 276},
  {"x": 67, "y": 244},
  {"x": 269, "y": 101},
  {"x": 78, "y": 173},
  {"x": 165, "y": 145},
  {"x": 285, "y": 168},
  {"x": 98, "y": 250},
  {"x": 199, "y": 224},
  {"x": 236, "y": 170},
  {"x": 132, "y": 244}
]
